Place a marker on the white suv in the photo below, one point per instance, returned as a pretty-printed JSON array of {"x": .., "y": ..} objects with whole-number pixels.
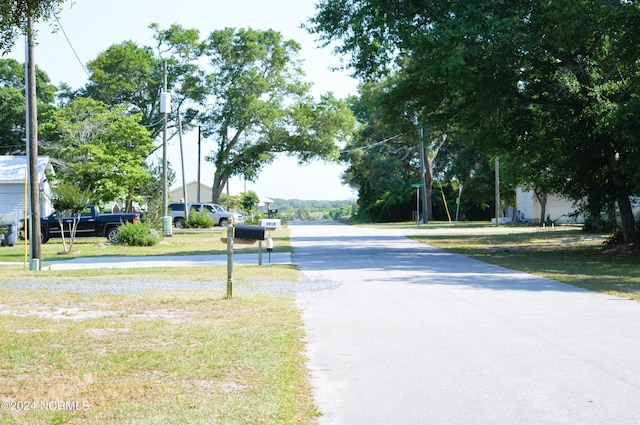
[{"x": 219, "y": 215}]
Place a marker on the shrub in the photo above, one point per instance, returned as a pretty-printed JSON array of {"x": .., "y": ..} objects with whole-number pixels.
[
  {"x": 137, "y": 234},
  {"x": 200, "y": 219}
]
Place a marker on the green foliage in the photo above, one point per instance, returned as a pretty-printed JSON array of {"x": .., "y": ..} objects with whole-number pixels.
[
  {"x": 254, "y": 218},
  {"x": 249, "y": 200},
  {"x": 69, "y": 197},
  {"x": 259, "y": 93},
  {"x": 14, "y": 14},
  {"x": 549, "y": 86},
  {"x": 70, "y": 200},
  {"x": 137, "y": 234},
  {"x": 13, "y": 105},
  {"x": 200, "y": 219},
  {"x": 99, "y": 148},
  {"x": 230, "y": 202},
  {"x": 244, "y": 86}
]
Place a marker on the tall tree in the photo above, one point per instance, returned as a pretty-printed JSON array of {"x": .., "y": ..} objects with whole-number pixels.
[
  {"x": 382, "y": 156},
  {"x": 132, "y": 76},
  {"x": 498, "y": 70},
  {"x": 13, "y": 105},
  {"x": 260, "y": 106},
  {"x": 99, "y": 149}
]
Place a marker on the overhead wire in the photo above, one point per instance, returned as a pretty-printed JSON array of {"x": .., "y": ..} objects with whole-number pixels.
[
  {"x": 381, "y": 142},
  {"x": 72, "y": 48}
]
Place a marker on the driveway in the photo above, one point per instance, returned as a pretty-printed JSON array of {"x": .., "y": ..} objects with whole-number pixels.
[{"x": 414, "y": 335}]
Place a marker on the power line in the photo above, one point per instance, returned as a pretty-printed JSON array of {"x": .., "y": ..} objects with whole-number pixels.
[
  {"x": 381, "y": 142},
  {"x": 72, "y": 48}
]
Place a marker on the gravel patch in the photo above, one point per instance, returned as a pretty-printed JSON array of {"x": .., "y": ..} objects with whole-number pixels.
[{"x": 136, "y": 286}]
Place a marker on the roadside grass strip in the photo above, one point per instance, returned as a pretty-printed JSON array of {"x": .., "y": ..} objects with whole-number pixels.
[
  {"x": 155, "y": 358},
  {"x": 569, "y": 256}
]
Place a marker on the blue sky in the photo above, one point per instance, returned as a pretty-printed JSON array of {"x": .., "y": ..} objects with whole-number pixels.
[{"x": 93, "y": 25}]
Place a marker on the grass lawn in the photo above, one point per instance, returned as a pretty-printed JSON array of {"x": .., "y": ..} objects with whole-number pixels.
[
  {"x": 159, "y": 357},
  {"x": 164, "y": 357},
  {"x": 184, "y": 243},
  {"x": 564, "y": 254}
]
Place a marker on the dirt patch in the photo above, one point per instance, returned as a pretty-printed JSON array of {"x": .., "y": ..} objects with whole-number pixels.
[{"x": 623, "y": 252}]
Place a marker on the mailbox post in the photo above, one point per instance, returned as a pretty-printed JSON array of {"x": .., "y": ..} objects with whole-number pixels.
[
  {"x": 247, "y": 234},
  {"x": 243, "y": 235},
  {"x": 270, "y": 224},
  {"x": 229, "y": 261}
]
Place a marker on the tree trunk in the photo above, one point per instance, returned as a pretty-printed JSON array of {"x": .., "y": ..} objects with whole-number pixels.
[
  {"x": 219, "y": 182},
  {"x": 542, "y": 199},
  {"x": 627, "y": 221}
]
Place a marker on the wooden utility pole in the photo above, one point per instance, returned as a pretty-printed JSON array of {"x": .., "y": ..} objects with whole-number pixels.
[
  {"x": 497, "y": 210},
  {"x": 423, "y": 175},
  {"x": 165, "y": 107},
  {"x": 164, "y": 110},
  {"x": 199, "y": 153},
  {"x": 32, "y": 149},
  {"x": 184, "y": 181}
]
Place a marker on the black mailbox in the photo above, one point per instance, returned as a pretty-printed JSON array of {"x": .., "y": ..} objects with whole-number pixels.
[{"x": 255, "y": 233}]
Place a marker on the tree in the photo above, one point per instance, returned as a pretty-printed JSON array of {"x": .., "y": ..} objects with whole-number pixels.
[
  {"x": 14, "y": 15},
  {"x": 99, "y": 149},
  {"x": 68, "y": 202},
  {"x": 13, "y": 105},
  {"x": 259, "y": 106},
  {"x": 249, "y": 200},
  {"x": 514, "y": 77},
  {"x": 131, "y": 76},
  {"x": 384, "y": 155},
  {"x": 244, "y": 86}
]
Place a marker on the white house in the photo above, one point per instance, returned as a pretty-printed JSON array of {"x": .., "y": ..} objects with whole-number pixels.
[
  {"x": 560, "y": 210},
  {"x": 176, "y": 194},
  {"x": 13, "y": 176}
]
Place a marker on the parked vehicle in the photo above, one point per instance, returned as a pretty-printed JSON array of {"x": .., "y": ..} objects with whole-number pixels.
[
  {"x": 219, "y": 215},
  {"x": 91, "y": 223}
]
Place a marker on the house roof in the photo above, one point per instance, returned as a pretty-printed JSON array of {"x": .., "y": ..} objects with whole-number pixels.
[
  {"x": 13, "y": 168},
  {"x": 178, "y": 186}
]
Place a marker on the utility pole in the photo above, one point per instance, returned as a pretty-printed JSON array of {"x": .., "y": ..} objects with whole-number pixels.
[
  {"x": 497, "y": 211},
  {"x": 165, "y": 106},
  {"x": 199, "y": 153},
  {"x": 184, "y": 182},
  {"x": 423, "y": 172},
  {"x": 32, "y": 150}
]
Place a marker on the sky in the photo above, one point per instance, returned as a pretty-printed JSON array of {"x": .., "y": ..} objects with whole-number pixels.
[{"x": 91, "y": 26}]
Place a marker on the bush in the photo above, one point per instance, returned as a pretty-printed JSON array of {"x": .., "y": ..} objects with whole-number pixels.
[
  {"x": 200, "y": 219},
  {"x": 137, "y": 234}
]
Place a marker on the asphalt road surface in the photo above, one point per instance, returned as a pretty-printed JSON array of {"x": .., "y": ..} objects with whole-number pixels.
[{"x": 414, "y": 335}]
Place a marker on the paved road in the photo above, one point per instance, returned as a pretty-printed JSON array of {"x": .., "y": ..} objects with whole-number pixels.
[{"x": 418, "y": 336}]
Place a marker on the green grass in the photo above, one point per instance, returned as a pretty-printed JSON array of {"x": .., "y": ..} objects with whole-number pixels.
[
  {"x": 183, "y": 243},
  {"x": 566, "y": 255},
  {"x": 165, "y": 358},
  {"x": 153, "y": 358}
]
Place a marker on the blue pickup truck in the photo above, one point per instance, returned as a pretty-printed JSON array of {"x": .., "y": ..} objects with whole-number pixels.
[{"x": 91, "y": 223}]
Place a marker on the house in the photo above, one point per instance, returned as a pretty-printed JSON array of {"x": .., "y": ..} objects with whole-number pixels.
[
  {"x": 13, "y": 176},
  {"x": 176, "y": 194},
  {"x": 559, "y": 210}
]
